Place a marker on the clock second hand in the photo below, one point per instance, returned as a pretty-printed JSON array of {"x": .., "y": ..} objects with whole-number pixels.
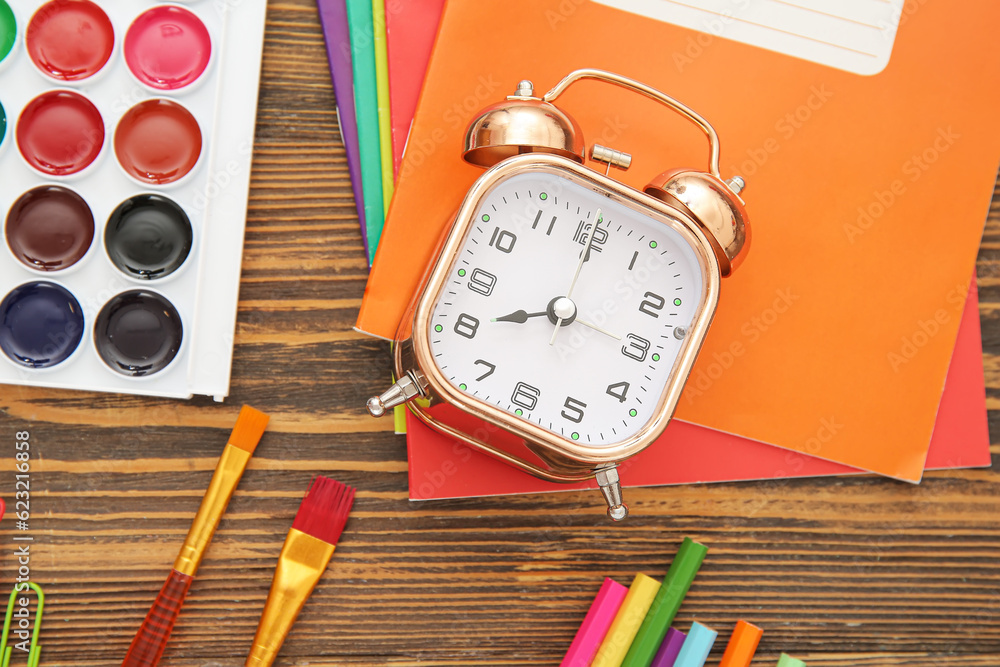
[{"x": 576, "y": 275}]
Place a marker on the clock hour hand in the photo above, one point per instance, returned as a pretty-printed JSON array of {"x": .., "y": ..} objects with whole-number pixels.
[{"x": 518, "y": 317}]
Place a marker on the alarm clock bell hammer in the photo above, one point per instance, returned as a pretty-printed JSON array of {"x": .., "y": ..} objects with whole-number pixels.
[{"x": 564, "y": 310}]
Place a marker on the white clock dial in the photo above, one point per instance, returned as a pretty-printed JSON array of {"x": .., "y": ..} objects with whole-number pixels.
[{"x": 597, "y": 376}]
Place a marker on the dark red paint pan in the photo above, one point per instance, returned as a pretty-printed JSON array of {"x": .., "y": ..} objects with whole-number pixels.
[
  {"x": 60, "y": 133},
  {"x": 70, "y": 40}
]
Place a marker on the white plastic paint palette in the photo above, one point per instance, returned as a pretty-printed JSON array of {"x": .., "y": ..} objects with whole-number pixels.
[{"x": 121, "y": 252}]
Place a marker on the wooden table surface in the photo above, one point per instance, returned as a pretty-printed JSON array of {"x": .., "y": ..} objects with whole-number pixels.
[{"x": 843, "y": 571}]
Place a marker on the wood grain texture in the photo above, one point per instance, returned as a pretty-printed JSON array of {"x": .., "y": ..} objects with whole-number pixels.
[{"x": 844, "y": 572}]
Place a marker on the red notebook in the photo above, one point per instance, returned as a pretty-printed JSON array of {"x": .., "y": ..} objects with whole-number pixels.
[
  {"x": 685, "y": 453},
  {"x": 410, "y": 27}
]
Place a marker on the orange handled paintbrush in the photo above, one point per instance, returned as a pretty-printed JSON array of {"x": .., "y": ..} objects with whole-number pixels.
[
  {"x": 307, "y": 551},
  {"x": 149, "y": 642}
]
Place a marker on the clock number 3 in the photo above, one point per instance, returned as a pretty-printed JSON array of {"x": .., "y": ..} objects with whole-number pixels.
[
  {"x": 466, "y": 326},
  {"x": 575, "y": 407},
  {"x": 637, "y": 348}
]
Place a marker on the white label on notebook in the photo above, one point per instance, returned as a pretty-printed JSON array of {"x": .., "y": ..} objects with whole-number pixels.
[{"x": 852, "y": 35}]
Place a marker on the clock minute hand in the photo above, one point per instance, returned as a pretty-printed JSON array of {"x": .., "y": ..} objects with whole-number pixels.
[
  {"x": 579, "y": 266},
  {"x": 518, "y": 317}
]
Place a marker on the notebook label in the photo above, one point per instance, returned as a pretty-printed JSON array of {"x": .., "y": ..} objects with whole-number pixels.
[{"x": 852, "y": 35}]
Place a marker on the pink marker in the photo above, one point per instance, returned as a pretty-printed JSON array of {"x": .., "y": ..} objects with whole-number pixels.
[{"x": 595, "y": 625}]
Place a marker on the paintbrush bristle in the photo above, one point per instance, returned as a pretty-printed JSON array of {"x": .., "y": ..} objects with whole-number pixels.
[
  {"x": 324, "y": 510},
  {"x": 249, "y": 428}
]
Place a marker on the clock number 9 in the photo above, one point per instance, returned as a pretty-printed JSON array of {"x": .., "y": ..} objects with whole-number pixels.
[
  {"x": 525, "y": 395},
  {"x": 576, "y": 407},
  {"x": 503, "y": 240},
  {"x": 466, "y": 326},
  {"x": 636, "y": 349},
  {"x": 652, "y": 302},
  {"x": 482, "y": 282}
]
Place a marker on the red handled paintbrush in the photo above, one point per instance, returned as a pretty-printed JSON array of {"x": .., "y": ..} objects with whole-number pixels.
[
  {"x": 307, "y": 551},
  {"x": 149, "y": 642}
]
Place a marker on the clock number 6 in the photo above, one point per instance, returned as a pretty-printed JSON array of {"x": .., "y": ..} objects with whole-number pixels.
[
  {"x": 652, "y": 302},
  {"x": 525, "y": 395},
  {"x": 576, "y": 407},
  {"x": 466, "y": 326}
]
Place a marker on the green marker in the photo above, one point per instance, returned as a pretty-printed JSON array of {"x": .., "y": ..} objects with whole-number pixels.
[
  {"x": 8, "y": 30},
  {"x": 666, "y": 603}
]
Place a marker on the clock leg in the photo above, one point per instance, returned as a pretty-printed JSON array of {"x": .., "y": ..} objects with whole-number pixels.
[{"x": 611, "y": 488}]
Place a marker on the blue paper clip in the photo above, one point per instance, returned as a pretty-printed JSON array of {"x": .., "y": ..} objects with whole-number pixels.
[{"x": 34, "y": 649}]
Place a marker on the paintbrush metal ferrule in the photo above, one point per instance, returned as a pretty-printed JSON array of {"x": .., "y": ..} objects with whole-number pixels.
[
  {"x": 227, "y": 475},
  {"x": 302, "y": 562}
]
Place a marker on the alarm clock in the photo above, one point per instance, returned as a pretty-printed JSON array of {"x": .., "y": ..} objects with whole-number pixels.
[{"x": 563, "y": 310}]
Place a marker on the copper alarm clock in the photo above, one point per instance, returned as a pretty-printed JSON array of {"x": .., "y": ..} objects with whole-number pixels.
[{"x": 564, "y": 309}]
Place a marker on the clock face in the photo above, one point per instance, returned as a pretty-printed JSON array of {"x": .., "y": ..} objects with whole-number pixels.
[{"x": 566, "y": 308}]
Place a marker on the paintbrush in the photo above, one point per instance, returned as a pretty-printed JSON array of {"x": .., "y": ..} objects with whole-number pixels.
[
  {"x": 307, "y": 551},
  {"x": 151, "y": 639}
]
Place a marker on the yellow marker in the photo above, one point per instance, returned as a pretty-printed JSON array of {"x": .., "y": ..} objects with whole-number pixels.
[{"x": 627, "y": 621}]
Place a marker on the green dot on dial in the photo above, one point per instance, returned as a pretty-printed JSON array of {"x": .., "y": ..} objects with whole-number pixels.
[
  {"x": 677, "y": 302},
  {"x": 486, "y": 218},
  {"x": 632, "y": 412},
  {"x": 461, "y": 272},
  {"x": 652, "y": 244},
  {"x": 462, "y": 386},
  {"x": 656, "y": 357},
  {"x": 575, "y": 436},
  {"x": 438, "y": 328},
  {"x": 519, "y": 412},
  {"x": 543, "y": 196}
]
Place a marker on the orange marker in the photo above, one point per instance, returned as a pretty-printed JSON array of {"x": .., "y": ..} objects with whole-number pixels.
[{"x": 742, "y": 645}]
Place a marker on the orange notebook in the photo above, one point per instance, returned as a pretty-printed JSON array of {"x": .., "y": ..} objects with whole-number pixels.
[{"x": 867, "y": 193}]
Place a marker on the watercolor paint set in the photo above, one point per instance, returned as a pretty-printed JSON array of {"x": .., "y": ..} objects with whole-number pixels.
[{"x": 126, "y": 139}]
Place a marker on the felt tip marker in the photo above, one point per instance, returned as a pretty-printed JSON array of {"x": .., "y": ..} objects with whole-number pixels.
[
  {"x": 595, "y": 625},
  {"x": 627, "y": 621},
  {"x": 671, "y": 646},
  {"x": 666, "y": 604},
  {"x": 697, "y": 646},
  {"x": 742, "y": 645}
]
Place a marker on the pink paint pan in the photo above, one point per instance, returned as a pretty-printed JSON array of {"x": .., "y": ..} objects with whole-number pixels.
[{"x": 168, "y": 48}]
